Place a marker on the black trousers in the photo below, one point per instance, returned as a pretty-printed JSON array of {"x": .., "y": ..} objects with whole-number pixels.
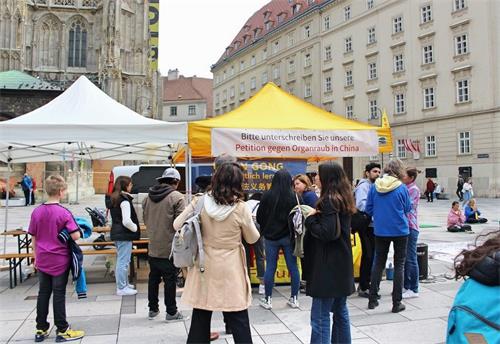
[
  {"x": 460, "y": 194},
  {"x": 382, "y": 248},
  {"x": 55, "y": 285},
  {"x": 458, "y": 228},
  {"x": 27, "y": 196},
  {"x": 238, "y": 322},
  {"x": 368, "y": 249},
  {"x": 474, "y": 220},
  {"x": 430, "y": 196},
  {"x": 162, "y": 269},
  {"x": 33, "y": 197}
]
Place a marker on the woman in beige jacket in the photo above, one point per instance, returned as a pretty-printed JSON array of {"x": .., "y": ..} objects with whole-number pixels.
[{"x": 224, "y": 286}]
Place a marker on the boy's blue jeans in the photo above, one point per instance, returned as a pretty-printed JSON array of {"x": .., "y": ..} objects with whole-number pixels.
[
  {"x": 123, "y": 254},
  {"x": 272, "y": 248},
  {"x": 320, "y": 321},
  {"x": 411, "y": 263},
  {"x": 81, "y": 284}
]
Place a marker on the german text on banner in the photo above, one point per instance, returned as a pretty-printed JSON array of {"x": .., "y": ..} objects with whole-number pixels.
[{"x": 293, "y": 143}]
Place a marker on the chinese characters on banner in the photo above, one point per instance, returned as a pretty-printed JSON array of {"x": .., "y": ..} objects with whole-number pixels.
[{"x": 258, "y": 174}]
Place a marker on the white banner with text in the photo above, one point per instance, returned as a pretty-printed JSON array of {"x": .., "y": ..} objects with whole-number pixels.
[{"x": 293, "y": 143}]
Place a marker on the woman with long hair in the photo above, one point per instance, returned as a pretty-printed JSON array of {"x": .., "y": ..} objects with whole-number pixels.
[
  {"x": 328, "y": 256},
  {"x": 224, "y": 285},
  {"x": 474, "y": 316},
  {"x": 124, "y": 229},
  {"x": 272, "y": 217}
]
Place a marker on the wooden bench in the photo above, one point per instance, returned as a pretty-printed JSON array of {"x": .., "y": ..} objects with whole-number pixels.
[
  {"x": 110, "y": 243},
  {"x": 15, "y": 260},
  {"x": 107, "y": 229}
]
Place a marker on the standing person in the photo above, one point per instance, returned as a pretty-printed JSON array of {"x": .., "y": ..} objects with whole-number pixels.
[
  {"x": 456, "y": 219},
  {"x": 124, "y": 230},
  {"x": 411, "y": 271},
  {"x": 163, "y": 204},
  {"x": 224, "y": 285},
  {"x": 27, "y": 186},
  {"x": 467, "y": 191},
  {"x": 33, "y": 191},
  {"x": 429, "y": 190},
  {"x": 52, "y": 260},
  {"x": 372, "y": 172},
  {"x": 258, "y": 247},
  {"x": 272, "y": 217},
  {"x": 328, "y": 256},
  {"x": 389, "y": 202},
  {"x": 460, "y": 186},
  {"x": 303, "y": 187}
]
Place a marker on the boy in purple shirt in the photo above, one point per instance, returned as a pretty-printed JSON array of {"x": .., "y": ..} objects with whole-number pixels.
[{"x": 52, "y": 260}]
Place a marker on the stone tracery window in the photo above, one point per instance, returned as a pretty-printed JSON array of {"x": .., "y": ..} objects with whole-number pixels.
[
  {"x": 89, "y": 3},
  {"x": 50, "y": 33},
  {"x": 77, "y": 47},
  {"x": 64, "y": 2}
]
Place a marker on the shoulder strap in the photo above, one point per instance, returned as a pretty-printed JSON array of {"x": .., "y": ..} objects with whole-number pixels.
[
  {"x": 199, "y": 239},
  {"x": 199, "y": 205}
]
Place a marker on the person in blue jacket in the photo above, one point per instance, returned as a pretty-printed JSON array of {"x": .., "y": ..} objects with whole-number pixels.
[
  {"x": 27, "y": 186},
  {"x": 475, "y": 314},
  {"x": 388, "y": 203}
]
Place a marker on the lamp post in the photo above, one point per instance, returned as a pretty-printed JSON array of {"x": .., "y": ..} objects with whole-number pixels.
[{"x": 379, "y": 111}]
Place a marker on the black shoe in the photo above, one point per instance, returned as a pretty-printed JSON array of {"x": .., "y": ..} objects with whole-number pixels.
[
  {"x": 363, "y": 293},
  {"x": 398, "y": 307},
  {"x": 372, "y": 304}
]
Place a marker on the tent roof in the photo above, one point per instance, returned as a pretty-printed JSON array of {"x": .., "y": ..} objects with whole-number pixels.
[
  {"x": 270, "y": 108},
  {"x": 86, "y": 122},
  {"x": 16, "y": 80}
]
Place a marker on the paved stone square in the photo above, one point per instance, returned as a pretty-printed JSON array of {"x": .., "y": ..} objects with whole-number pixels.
[{"x": 107, "y": 318}]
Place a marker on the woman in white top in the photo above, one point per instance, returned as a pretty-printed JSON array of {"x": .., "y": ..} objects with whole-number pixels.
[{"x": 467, "y": 191}]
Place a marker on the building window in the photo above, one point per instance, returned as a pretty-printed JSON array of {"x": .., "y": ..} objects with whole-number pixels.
[
  {"x": 217, "y": 79},
  {"x": 348, "y": 77},
  {"x": 399, "y": 103},
  {"x": 276, "y": 72},
  {"x": 397, "y": 24},
  {"x": 269, "y": 25},
  {"x": 401, "y": 149},
  {"x": 253, "y": 83},
  {"x": 348, "y": 45},
  {"x": 276, "y": 47},
  {"x": 307, "y": 31},
  {"x": 326, "y": 23},
  {"x": 224, "y": 95},
  {"x": 464, "y": 142},
  {"x": 173, "y": 111},
  {"x": 328, "y": 52},
  {"x": 459, "y": 5},
  {"x": 463, "y": 91},
  {"x": 253, "y": 60},
  {"x": 372, "y": 70},
  {"x": 349, "y": 112},
  {"x": 307, "y": 90},
  {"x": 399, "y": 65},
  {"x": 242, "y": 88},
  {"x": 427, "y": 54},
  {"x": 461, "y": 46},
  {"x": 291, "y": 39},
  {"x": 242, "y": 65},
  {"x": 264, "y": 78},
  {"x": 296, "y": 8},
  {"x": 264, "y": 54},
  {"x": 291, "y": 66},
  {"x": 347, "y": 13},
  {"x": 425, "y": 14},
  {"x": 371, "y": 35},
  {"x": 372, "y": 108},
  {"x": 232, "y": 92},
  {"x": 328, "y": 84},
  {"x": 191, "y": 110},
  {"x": 217, "y": 98},
  {"x": 77, "y": 49},
  {"x": 307, "y": 60},
  {"x": 370, "y": 4},
  {"x": 430, "y": 146},
  {"x": 429, "y": 101}
]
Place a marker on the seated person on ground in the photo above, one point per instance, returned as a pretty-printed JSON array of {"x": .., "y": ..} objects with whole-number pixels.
[
  {"x": 456, "y": 219},
  {"x": 472, "y": 213}
]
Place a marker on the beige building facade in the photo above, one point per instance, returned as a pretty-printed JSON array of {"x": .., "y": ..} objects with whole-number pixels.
[{"x": 432, "y": 64}]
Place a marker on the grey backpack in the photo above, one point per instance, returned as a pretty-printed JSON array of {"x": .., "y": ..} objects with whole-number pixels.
[{"x": 188, "y": 243}]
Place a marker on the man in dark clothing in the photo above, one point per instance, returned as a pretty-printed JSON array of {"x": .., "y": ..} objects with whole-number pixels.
[
  {"x": 372, "y": 172},
  {"x": 460, "y": 186},
  {"x": 163, "y": 204}
]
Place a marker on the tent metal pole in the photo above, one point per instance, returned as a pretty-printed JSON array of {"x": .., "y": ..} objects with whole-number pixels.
[
  {"x": 7, "y": 188},
  {"x": 188, "y": 173}
]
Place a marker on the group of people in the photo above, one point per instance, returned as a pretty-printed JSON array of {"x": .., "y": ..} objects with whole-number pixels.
[
  {"x": 459, "y": 221},
  {"x": 383, "y": 208}
]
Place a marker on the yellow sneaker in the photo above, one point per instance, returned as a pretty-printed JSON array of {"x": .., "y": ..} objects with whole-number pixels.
[
  {"x": 69, "y": 335},
  {"x": 41, "y": 335}
]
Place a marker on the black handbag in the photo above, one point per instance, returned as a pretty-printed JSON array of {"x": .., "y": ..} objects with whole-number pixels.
[{"x": 359, "y": 220}]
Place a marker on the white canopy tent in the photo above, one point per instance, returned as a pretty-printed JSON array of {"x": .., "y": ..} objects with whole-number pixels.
[{"x": 85, "y": 123}]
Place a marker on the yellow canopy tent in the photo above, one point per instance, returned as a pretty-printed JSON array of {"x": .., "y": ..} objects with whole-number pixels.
[{"x": 273, "y": 108}]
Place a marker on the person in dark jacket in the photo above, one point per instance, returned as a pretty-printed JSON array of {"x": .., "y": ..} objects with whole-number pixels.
[
  {"x": 389, "y": 203},
  {"x": 328, "y": 256},
  {"x": 475, "y": 315},
  {"x": 27, "y": 186},
  {"x": 124, "y": 230},
  {"x": 429, "y": 190},
  {"x": 163, "y": 204},
  {"x": 272, "y": 217}
]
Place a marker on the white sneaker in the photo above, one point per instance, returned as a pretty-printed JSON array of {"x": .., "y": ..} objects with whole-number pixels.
[
  {"x": 130, "y": 286},
  {"x": 293, "y": 302},
  {"x": 266, "y": 303},
  {"x": 126, "y": 291},
  {"x": 262, "y": 289},
  {"x": 409, "y": 294}
]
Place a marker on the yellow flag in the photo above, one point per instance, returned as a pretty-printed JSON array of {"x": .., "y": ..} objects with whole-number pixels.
[{"x": 385, "y": 135}]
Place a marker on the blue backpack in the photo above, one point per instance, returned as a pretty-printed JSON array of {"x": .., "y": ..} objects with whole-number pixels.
[{"x": 475, "y": 315}]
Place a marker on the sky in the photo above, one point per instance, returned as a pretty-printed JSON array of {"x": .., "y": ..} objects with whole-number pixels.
[{"x": 195, "y": 33}]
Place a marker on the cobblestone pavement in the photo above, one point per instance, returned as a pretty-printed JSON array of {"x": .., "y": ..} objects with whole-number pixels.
[{"x": 107, "y": 318}]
